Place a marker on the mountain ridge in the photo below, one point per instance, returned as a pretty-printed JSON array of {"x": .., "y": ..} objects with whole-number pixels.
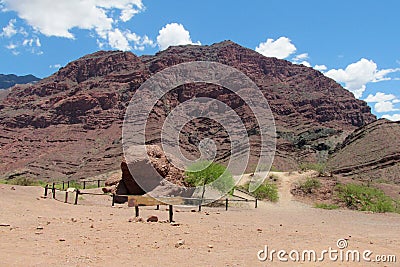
[
  {"x": 73, "y": 118},
  {"x": 9, "y": 80}
]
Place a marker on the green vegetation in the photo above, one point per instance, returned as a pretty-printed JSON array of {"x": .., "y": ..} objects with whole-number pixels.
[
  {"x": 364, "y": 198},
  {"x": 326, "y": 206},
  {"x": 318, "y": 167},
  {"x": 207, "y": 172},
  {"x": 309, "y": 185},
  {"x": 267, "y": 190}
]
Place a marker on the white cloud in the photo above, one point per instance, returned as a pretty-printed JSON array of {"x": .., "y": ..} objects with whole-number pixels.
[
  {"x": 281, "y": 48},
  {"x": 117, "y": 40},
  {"x": 174, "y": 34},
  {"x": 11, "y": 46},
  {"x": 139, "y": 41},
  {"x": 394, "y": 117},
  {"x": 358, "y": 74},
  {"x": 9, "y": 30},
  {"x": 55, "y": 66},
  {"x": 301, "y": 59},
  {"x": 385, "y": 106},
  {"x": 320, "y": 67},
  {"x": 58, "y": 18},
  {"x": 32, "y": 42},
  {"x": 380, "y": 97}
]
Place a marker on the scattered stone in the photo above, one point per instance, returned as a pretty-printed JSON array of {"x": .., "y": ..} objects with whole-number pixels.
[
  {"x": 210, "y": 246},
  {"x": 136, "y": 219},
  {"x": 38, "y": 233},
  {"x": 193, "y": 210},
  {"x": 12, "y": 188},
  {"x": 4, "y": 225},
  {"x": 91, "y": 226},
  {"x": 175, "y": 224},
  {"x": 61, "y": 239},
  {"x": 281, "y": 225},
  {"x": 207, "y": 213},
  {"x": 259, "y": 230},
  {"x": 152, "y": 218},
  {"x": 39, "y": 228},
  {"x": 74, "y": 220},
  {"x": 180, "y": 242}
]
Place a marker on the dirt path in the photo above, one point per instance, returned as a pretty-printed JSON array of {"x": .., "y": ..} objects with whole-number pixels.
[{"x": 38, "y": 232}]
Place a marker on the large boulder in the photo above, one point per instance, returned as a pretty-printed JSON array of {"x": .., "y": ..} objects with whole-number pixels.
[{"x": 150, "y": 170}]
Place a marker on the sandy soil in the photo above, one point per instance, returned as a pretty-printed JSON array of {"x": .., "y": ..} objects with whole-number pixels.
[{"x": 37, "y": 231}]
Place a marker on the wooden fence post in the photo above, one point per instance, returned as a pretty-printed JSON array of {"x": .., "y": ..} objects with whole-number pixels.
[
  {"x": 256, "y": 203},
  {"x": 171, "y": 214},
  {"x": 226, "y": 204},
  {"x": 137, "y": 211},
  {"x": 66, "y": 197},
  {"x": 54, "y": 190},
  {"x": 63, "y": 185},
  {"x": 98, "y": 183},
  {"x": 113, "y": 200},
  {"x": 84, "y": 184},
  {"x": 45, "y": 190},
  {"x": 76, "y": 197},
  {"x": 158, "y": 207},
  {"x": 68, "y": 184}
]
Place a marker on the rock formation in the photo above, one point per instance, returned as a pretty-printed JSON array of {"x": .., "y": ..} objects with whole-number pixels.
[
  {"x": 371, "y": 152},
  {"x": 68, "y": 126}
]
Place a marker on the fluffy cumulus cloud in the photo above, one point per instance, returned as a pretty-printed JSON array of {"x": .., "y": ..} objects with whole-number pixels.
[
  {"x": 383, "y": 102},
  {"x": 320, "y": 67},
  {"x": 394, "y": 117},
  {"x": 358, "y": 74},
  {"x": 302, "y": 59},
  {"x": 280, "y": 48},
  {"x": 58, "y": 18},
  {"x": 174, "y": 34}
]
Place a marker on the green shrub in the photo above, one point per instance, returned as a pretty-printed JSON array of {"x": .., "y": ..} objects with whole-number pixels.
[
  {"x": 318, "y": 167},
  {"x": 364, "y": 198},
  {"x": 206, "y": 172},
  {"x": 309, "y": 185},
  {"x": 266, "y": 190},
  {"x": 326, "y": 206}
]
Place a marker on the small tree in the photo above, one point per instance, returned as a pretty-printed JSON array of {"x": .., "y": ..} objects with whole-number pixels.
[{"x": 205, "y": 172}]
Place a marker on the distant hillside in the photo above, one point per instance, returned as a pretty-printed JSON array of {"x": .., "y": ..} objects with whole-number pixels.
[
  {"x": 371, "y": 152},
  {"x": 9, "y": 80}
]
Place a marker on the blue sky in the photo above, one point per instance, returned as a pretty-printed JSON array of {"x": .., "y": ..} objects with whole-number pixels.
[{"x": 354, "y": 42}]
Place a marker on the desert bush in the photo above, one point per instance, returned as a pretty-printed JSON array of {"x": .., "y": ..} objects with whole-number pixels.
[
  {"x": 266, "y": 191},
  {"x": 318, "y": 167},
  {"x": 326, "y": 206},
  {"x": 206, "y": 172},
  {"x": 364, "y": 198},
  {"x": 309, "y": 185}
]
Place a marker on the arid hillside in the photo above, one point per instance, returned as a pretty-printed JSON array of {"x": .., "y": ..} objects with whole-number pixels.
[{"x": 68, "y": 126}]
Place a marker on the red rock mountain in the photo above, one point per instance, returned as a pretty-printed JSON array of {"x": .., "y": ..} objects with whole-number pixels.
[{"x": 69, "y": 124}]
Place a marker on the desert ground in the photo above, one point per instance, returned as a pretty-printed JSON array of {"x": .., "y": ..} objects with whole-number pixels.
[{"x": 37, "y": 231}]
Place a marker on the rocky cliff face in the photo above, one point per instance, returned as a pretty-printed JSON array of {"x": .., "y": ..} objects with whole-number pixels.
[
  {"x": 371, "y": 152},
  {"x": 69, "y": 124}
]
